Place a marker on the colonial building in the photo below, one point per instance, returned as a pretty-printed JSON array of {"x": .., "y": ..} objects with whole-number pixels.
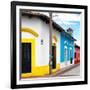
[
  {"x": 35, "y": 45},
  {"x": 67, "y": 48}
]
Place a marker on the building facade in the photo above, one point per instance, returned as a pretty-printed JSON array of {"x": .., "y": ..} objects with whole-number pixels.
[
  {"x": 77, "y": 54},
  {"x": 67, "y": 50},
  {"x": 35, "y": 41}
]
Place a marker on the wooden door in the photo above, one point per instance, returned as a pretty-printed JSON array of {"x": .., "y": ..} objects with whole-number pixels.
[{"x": 53, "y": 57}]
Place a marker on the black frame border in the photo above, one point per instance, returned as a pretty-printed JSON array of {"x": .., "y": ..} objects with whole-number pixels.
[{"x": 13, "y": 44}]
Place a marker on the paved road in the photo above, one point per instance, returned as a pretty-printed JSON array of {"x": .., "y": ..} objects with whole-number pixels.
[{"x": 72, "y": 72}]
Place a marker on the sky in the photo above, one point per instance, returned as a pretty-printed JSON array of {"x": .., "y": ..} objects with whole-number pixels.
[{"x": 67, "y": 20}]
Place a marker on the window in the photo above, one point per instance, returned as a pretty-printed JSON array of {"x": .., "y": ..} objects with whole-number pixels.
[{"x": 65, "y": 53}]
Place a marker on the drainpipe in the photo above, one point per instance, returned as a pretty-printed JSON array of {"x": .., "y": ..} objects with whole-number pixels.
[{"x": 50, "y": 44}]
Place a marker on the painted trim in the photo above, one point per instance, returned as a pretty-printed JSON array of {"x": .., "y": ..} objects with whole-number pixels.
[
  {"x": 53, "y": 44},
  {"x": 29, "y": 30},
  {"x": 55, "y": 38},
  {"x": 57, "y": 68},
  {"x": 40, "y": 71},
  {"x": 32, "y": 41},
  {"x": 65, "y": 47},
  {"x": 65, "y": 42}
]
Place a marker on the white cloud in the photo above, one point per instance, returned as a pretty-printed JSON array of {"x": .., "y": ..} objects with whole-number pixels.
[{"x": 67, "y": 16}]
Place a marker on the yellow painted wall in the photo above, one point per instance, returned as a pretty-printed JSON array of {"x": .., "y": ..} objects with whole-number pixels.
[
  {"x": 40, "y": 71},
  {"x": 36, "y": 70}
]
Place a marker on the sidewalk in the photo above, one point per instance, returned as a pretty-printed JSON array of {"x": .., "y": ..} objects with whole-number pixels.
[
  {"x": 61, "y": 71},
  {"x": 65, "y": 69}
]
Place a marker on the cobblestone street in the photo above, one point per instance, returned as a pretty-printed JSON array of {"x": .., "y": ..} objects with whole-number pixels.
[
  {"x": 69, "y": 71},
  {"x": 72, "y": 72}
]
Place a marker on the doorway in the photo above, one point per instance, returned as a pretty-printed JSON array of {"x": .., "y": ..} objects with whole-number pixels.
[
  {"x": 26, "y": 58},
  {"x": 71, "y": 56},
  {"x": 53, "y": 57}
]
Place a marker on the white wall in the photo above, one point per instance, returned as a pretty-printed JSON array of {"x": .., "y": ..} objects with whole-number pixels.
[
  {"x": 44, "y": 60},
  {"x": 57, "y": 34},
  {"x": 41, "y": 51},
  {"x": 5, "y": 44}
]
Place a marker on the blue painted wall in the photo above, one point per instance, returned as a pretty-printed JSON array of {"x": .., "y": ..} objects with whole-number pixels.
[{"x": 69, "y": 44}]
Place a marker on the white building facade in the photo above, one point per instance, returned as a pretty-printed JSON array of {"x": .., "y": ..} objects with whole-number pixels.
[{"x": 35, "y": 31}]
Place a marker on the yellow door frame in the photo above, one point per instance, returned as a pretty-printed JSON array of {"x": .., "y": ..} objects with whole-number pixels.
[
  {"x": 32, "y": 41},
  {"x": 29, "y": 30}
]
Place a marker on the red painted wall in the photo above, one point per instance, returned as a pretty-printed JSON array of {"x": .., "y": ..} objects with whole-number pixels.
[{"x": 77, "y": 54}]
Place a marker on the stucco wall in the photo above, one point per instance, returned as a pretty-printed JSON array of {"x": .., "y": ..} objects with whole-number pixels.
[
  {"x": 57, "y": 34},
  {"x": 77, "y": 52},
  {"x": 66, "y": 42},
  {"x": 42, "y": 51}
]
